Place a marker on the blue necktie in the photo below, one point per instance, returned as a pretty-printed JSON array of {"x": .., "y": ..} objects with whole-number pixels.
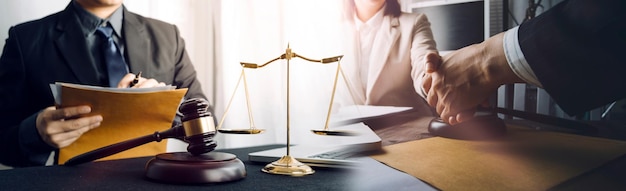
[{"x": 116, "y": 67}]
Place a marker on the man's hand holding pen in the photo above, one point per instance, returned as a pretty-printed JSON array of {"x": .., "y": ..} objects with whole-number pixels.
[{"x": 137, "y": 81}]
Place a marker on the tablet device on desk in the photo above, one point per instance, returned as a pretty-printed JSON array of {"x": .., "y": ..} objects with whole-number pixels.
[{"x": 327, "y": 151}]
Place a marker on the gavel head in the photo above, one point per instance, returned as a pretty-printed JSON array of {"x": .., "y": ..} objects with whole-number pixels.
[{"x": 199, "y": 126}]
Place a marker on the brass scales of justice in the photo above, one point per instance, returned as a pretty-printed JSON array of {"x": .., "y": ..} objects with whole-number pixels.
[{"x": 286, "y": 165}]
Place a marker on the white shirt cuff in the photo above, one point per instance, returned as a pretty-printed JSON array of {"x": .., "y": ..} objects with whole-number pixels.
[{"x": 515, "y": 58}]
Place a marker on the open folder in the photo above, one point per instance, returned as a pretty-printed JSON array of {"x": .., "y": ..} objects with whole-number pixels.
[{"x": 127, "y": 113}]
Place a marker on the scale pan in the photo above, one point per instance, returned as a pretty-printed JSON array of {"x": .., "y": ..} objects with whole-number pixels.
[
  {"x": 241, "y": 131},
  {"x": 333, "y": 132}
]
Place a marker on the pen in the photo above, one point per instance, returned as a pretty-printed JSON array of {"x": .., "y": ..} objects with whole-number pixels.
[{"x": 136, "y": 80}]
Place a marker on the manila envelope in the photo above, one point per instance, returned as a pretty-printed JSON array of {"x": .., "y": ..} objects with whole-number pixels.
[{"x": 126, "y": 116}]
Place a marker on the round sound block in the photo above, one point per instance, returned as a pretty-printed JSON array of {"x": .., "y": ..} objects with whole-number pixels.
[
  {"x": 185, "y": 168},
  {"x": 482, "y": 126}
]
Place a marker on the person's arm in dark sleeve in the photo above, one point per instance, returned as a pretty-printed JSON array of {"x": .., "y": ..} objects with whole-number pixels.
[
  {"x": 575, "y": 49},
  {"x": 20, "y": 143}
]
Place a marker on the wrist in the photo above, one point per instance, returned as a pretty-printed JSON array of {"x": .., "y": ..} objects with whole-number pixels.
[
  {"x": 497, "y": 69},
  {"x": 35, "y": 150}
]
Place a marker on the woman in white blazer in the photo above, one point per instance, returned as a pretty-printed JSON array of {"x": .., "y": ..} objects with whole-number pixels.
[{"x": 384, "y": 53}]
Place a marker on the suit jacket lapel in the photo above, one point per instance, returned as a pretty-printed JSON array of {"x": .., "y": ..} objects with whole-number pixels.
[
  {"x": 136, "y": 43},
  {"x": 381, "y": 49},
  {"x": 72, "y": 45}
]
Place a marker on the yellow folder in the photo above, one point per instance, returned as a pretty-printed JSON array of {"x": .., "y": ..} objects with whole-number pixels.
[{"x": 126, "y": 115}]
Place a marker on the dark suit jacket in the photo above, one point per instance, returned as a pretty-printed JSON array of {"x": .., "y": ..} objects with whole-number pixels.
[
  {"x": 52, "y": 49},
  {"x": 576, "y": 49}
]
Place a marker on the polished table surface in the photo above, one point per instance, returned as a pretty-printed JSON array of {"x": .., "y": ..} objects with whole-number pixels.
[{"x": 128, "y": 174}]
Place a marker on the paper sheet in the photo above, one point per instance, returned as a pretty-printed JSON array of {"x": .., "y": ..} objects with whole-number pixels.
[
  {"x": 525, "y": 159},
  {"x": 126, "y": 113},
  {"x": 358, "y": 113}
]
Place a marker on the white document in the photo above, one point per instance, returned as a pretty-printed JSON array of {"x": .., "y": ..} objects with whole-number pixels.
[
  {"x": 328, "y": 151},
  {"x": 56, "y": 89},
  {"x": 358, "y": 113},
  {"x": 337, "y": 151}
]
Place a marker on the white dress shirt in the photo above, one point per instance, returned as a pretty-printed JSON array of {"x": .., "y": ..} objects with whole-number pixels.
[
  {"x": 367, "y": 33},
  {"x": 515, "y": 57}
]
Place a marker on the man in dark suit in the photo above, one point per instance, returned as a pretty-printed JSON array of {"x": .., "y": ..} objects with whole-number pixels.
[
  {"x": 65, "y": 47},
  {"x": 574, "y": 51}
]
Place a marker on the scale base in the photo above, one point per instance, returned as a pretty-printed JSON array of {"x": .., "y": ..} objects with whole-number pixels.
[
  {"x": 185, "y": 168},
  {"x": 287, "y": 165}
]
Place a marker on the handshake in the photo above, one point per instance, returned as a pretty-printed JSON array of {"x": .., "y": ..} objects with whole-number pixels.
[{"x": 457, "y": 84}]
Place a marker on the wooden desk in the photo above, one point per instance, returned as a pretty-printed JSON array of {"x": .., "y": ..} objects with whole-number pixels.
[{"x": 611, "y": 176}]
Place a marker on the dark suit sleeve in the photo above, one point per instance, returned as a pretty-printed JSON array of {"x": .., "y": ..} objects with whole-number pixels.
[
  {"x": 575, "y": 49},
  {"x": 185, "y": 75},
  {"x": 156, "y": 48},
  {"x": 20, "y": 143}
]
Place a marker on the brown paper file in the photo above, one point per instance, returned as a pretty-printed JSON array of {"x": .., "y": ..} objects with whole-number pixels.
[
  {"x": 524, "y": 160},
  {"x": 125, "y": 116}
]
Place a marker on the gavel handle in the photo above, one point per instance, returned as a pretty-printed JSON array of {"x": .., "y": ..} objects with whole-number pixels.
[{"x": 122, "y": 146}]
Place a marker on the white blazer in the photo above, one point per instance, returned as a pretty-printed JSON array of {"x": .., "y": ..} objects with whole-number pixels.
[{"x": 397, "y": 58}]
